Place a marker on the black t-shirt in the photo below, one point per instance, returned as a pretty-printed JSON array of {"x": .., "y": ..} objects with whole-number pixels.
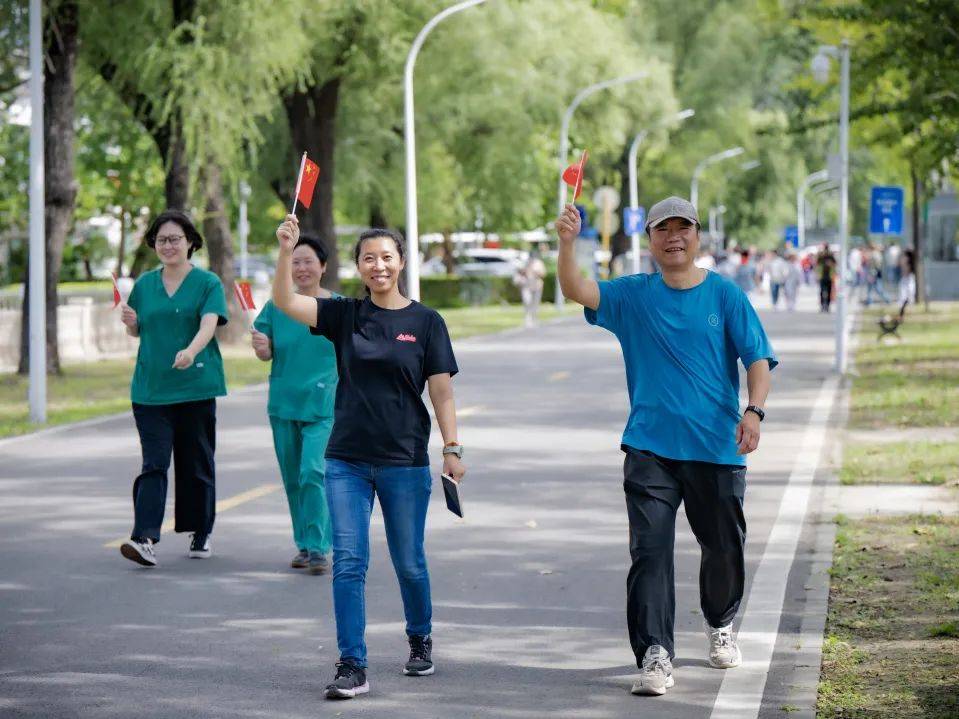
[{"x": 384, "y": 358}]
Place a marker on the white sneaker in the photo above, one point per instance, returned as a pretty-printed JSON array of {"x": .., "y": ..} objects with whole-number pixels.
[
  {"x": 657, "y": 673},
  {"x": 139, "y": 551},
  {"x": 200, "y": 546},
  {"x": 723, "y": 651}
]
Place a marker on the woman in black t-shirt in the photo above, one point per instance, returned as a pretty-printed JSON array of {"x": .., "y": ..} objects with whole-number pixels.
[{"x": 388, "y": 349}]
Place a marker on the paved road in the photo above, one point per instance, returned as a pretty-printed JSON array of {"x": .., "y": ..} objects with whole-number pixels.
[{"x": 528, "y": 591}]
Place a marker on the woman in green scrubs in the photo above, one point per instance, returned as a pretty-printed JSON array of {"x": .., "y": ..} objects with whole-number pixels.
[
  {"x": 302, "y": 390},
  {"x": 175, "y": 310}
]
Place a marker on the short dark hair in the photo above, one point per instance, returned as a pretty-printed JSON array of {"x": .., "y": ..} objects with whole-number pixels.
[
  {"x": 179, "y": 217},
  {"x": 313, "y": 242}
]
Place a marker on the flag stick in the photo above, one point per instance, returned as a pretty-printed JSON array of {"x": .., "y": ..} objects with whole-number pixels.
[{"x": 299, "y": 181}]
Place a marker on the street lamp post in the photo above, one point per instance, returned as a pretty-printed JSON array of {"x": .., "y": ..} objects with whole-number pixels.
[
  {"x": 564, "y": 141},
  {"x": 38, "y": 297},
  {"x": 809, "y": 181},
  {"x": 243, "y": 228},
  {"x": 412, "y": 227},
  {"x": 820, "y": 67},
  {"x": 634, "y": 183},
  {"x": 711, "y": 160}
]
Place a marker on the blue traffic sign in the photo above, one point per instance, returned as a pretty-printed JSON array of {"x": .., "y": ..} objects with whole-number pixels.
[
  {"x": 886, "y": 210},
  {"x": 633, "y": 219},
  {"x": 791, "y": 235}
]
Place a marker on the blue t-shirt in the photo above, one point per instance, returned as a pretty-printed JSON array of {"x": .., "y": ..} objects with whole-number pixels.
[{"x": 680, "y": 348}]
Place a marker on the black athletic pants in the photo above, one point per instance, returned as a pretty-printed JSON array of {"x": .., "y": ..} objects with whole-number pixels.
[
  {"x": 188, "y": 431},
  {"x": 713, "y": 497}
]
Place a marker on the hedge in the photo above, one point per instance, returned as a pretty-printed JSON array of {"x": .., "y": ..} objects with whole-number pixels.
[{"x": 445, "y": 292}]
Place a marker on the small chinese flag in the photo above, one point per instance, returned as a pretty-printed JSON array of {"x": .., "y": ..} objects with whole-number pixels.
[
  {"x": 116, "y": 290},
  {"x": 309, "y": 175},
  {"x": 244, "y": 295},
  {"x": 573, "y": 176}
]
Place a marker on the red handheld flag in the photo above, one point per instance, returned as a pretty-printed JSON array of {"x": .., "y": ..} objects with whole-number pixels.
[
  {"x": 116, "y": 291},
  {"x": 244, "y": 295},
  {"x": 309, "y": 175},
  {"x": 573, "y": 176}
]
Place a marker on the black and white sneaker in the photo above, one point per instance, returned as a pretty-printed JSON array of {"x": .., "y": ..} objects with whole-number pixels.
[
  {"x": 200, "y": 546},
  {"x": 420, "y": 663},
  {"x": 349, "y": 681},
  {"x": 139, "y": 550}
]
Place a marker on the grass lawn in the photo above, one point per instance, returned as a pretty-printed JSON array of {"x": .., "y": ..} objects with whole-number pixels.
[
  {"x": 97, "y": 388},
  {"x": 892, "y": 632},
  {"x": 901, "y": 463},
  {"x": 913, "y": 383}
]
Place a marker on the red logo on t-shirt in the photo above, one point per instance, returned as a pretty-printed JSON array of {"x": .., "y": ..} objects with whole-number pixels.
[{"x": 403, "y": 337}]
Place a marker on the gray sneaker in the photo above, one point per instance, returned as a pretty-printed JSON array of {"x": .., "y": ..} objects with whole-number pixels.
[
  {"x": 723, "y": 651},
  {"x": 139, "y": 550},
  {"x": 319, "y": 563},
  {"x": 350, "y": 680},
  {"x": 301, "y": 560},
  {"x": 656, "y": 675}
]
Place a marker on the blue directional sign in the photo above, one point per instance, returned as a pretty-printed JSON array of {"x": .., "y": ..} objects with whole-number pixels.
[
  {"x": 886, "y": 210},
  {"x": 791, "y": 235},
  {"x": 633, "y": 219}
]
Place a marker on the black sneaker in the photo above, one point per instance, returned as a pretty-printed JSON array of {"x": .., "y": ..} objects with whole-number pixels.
[
  {"x": 421, "y": 662},
  {"x": 200, "y": 546},
  {"x": 301, "y": 560},
  {"x": 319, "y": 563},
  {"x": 139, "y": 550},
  {"x": 349, "y": 681}
]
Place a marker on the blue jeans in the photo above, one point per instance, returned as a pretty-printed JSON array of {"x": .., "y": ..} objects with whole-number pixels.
[{"x": 404, "y": 494}]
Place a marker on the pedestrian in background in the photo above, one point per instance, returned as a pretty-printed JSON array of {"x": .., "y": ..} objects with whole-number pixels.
[
  {"x": 175, "y": 310},
  {"x": 826, "y": 272},
  {"x": 529, "y": 280},
  {"x": 794, "y": 278}
]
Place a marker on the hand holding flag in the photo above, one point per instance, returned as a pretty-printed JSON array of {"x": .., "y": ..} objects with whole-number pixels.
[{"x": 573, "y": 176}]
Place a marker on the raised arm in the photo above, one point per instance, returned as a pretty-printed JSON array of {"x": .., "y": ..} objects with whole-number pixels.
[
  {"x": 580, "y": 289},
  {"x": 300, "y": 308}
]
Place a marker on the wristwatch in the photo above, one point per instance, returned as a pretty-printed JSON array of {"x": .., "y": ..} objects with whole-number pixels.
[
  {"x": 453, "y": 448},
  {"x": 759, "y": 413}
]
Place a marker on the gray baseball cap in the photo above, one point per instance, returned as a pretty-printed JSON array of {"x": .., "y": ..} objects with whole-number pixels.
[{"x": 671, "y": 207}]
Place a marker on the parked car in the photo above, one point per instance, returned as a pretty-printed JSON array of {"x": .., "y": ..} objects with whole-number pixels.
[{"x": 484, "y": 262}]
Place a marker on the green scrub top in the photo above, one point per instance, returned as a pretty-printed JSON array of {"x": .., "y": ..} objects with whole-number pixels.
[
  {"x": 168, "y": 325},
  {"x": 303, "y": 375}
]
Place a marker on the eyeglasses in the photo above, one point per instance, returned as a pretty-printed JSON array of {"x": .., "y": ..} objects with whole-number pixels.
[{"x": 171, "y": 240}]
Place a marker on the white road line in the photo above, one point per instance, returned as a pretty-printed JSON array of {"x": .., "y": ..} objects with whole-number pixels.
[{"x": 741, "y": 692}]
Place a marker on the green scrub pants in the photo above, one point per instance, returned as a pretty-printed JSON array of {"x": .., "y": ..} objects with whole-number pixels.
[{"x": 300, "y": 449}]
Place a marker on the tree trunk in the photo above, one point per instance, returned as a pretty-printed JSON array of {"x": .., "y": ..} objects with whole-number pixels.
[
  {"x": 920, "y": 268},
  {"x": 311, "y": 114},
  {"x": 219, "y": 245},
  {"x": 177, "y": 182},
  {"x": 449, "y": 261},
  {"x": 61, "y": 34}
]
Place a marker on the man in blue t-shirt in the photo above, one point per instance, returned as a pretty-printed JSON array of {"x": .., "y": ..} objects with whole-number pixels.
[{"x": 682, "y": 331}]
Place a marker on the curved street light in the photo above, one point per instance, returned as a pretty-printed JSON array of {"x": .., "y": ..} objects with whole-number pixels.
[
  {"x": 810, "y": 180},
  {"x": 412, "y": 220},
  {"x": 820, "y": 68},
  {"x": 634, "y": 184},
  {"x": 711, "y": 160}
]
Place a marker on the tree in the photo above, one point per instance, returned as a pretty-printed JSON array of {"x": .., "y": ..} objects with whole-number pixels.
[{"x": 61, "y": 36}]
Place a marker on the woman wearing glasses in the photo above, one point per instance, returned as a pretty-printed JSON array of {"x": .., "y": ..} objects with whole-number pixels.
[{"x": 175, "y": 310}]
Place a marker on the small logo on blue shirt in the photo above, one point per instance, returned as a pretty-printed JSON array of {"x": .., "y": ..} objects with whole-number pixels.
[{"x": 713, "y": 320}]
